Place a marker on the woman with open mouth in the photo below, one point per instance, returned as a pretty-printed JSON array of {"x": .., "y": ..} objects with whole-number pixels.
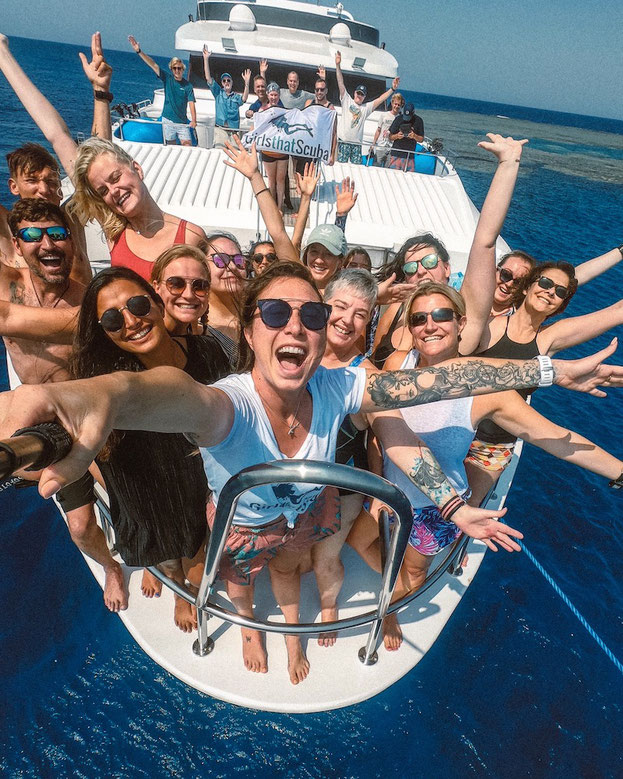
[{"x": 282, "y": 405}]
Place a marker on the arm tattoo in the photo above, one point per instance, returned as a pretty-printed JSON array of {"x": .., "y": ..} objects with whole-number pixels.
[
  {"x": 16, "y": 293},
  {"x": 428, "y": 477},
  {"x": 398, "y": 389}
]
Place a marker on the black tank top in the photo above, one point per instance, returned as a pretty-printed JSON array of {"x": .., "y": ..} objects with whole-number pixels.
[{"x": 487, "y": 430}]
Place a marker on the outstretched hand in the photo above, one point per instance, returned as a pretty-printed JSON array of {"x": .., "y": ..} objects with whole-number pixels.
[
  {"x": 505, "y": 149},
  {"x": 263, "y": 68},
  {"x": 306, "y": 184},
  {"x": 246, "y": 75},
  {"x": 74, "y": 407},
  {"x": 205, "y": 52},
  {"x": 134, "y": 43},
  {"x": 239, "y": 158},
  {"x": 345, "y": 196},
  {"x": 322, "y": 72},
  {"x": 589, "y": 373},
  {"x": 338, "y": 58},
  {"x": 483, "y": 525},
  {"x": 98, "y": 71}
]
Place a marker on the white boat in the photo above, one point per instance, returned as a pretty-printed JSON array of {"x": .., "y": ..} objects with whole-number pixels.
[{"x": 193, "y": 183}]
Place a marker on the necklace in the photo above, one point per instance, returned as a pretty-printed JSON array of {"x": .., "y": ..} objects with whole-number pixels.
[
  {"x": 295, "y": 423},
  {"x": 57, "y": 301}
]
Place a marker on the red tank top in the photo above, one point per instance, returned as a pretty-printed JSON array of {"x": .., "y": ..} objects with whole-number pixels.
[{"x": 121, "y": 256}]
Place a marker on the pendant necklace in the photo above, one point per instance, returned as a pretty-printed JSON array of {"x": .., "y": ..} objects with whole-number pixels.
[{"x": 295, "y": 423}]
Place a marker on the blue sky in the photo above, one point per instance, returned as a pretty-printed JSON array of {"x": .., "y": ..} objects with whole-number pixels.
[{"x": 562, "y": 55}]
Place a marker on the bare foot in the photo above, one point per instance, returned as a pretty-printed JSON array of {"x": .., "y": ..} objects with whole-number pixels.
[
  {"x": 298, "y": 665},
  {"x": 253, "y": 651},
  {"x": 392, "y": 634},
  {"x": 328, "y": 639},
  {"x": 150, "y": 586},
  {"x": 185, "y": 615},
  {"x": 115, "y": 590}
]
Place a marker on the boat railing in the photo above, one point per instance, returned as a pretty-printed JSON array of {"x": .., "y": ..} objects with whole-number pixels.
[{"x": 393, "y": 544}]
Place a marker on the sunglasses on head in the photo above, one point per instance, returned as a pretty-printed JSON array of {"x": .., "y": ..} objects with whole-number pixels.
[
  {"x": 277, "y": 313},
  {"x": 222, "y": 260},
  {"x": 429, "y": 261},
  {"x": 545, "y": 283},
  {"x": 258, "y": 259},
  {"x": 112, "y": 319},
  {"x": 419, "y": 318},
  {"x": 35, "y": 234},
  {"x": 177, "y": 284}
]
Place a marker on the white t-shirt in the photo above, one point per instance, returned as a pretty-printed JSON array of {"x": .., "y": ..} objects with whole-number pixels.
[
  {"x": 352, "y": 120},
  {"x": 251, "y": 441},
  {"x": 385, "y": 122}
]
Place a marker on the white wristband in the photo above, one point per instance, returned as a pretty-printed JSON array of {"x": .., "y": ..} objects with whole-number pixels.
[{"x": 547, "y": 370}]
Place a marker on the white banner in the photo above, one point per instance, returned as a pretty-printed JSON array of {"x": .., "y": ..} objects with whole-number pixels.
[{"x": 306, "y": 133}]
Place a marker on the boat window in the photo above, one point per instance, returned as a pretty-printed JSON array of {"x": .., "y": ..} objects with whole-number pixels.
[{"x": 285, "y": 17}]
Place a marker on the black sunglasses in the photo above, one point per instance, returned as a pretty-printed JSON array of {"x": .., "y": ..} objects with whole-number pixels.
[
  {"x": 277, "y": 313},
  {"x": 506, "y": 275},
  {"x": 35, "y": 234},
  {"x": 112, "y": 319},
  {"x": 419, "y": 318},
  {"x": 560, "y": 291},
  {"x": 259, "y": 258},
  {"x": 177, "y": 284}
]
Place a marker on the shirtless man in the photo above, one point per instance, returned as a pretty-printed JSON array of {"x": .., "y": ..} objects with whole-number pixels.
[
  {"x": 33, "y": 171},
  {"x": 42, "y": 239}
]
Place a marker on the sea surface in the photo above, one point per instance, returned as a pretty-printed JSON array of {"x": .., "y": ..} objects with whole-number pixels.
[{"x": 515, "y": 686}]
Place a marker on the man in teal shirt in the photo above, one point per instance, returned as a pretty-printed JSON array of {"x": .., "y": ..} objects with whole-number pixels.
[
  {"x": 226, "y": 102},
  {"x": 178, "y": 98}
]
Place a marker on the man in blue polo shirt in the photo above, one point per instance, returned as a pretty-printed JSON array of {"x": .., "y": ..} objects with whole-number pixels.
[
  {"x": 178, "y": 98},
  {"x": 226, "y": 102}
]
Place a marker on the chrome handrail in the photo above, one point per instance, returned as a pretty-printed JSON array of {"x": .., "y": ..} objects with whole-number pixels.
[{"x": 305, "y": 472}]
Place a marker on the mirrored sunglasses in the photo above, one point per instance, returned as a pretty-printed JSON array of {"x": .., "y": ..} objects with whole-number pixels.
[
  {"x": 277, "y": 313},
  {"x": 222, "y": 260},
  {"x": 112, "y": 319},
  {"x": 429, "y": 261},
  {"x": 35, "y": 234},
  {"x": 177, "y": 284},
  {"x": 561, "y": 292},
  {"x": 419, "y": 318}
]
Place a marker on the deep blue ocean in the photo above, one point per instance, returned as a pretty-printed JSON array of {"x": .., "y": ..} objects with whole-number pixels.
[{"x": 515, "y": 685}]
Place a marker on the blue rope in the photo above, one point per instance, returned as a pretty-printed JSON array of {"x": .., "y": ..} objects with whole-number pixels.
[{"x": 557, "y": 589}]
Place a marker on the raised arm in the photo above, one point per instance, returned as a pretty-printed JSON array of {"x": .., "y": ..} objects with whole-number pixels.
[
  {"x": 479, "y": 283},
  {"x": 478, "y": 376},
  {"x": 246, "y": 75},
  {"x": 386, "y": 95},
  {"x": 246, "y": 163},
  {"x": 307, "y": 185},
  {"x": 99, "y": 73},
  {"x": 34, "y": 323},
  {"x": 589, "y": 270},
  {"x": 164, "y": 400},
  {"x": 145, "y": 57},
  {"x": 574, "y": 330},
  {"x": 206, "y": 66},
  {"x": 338, "y": 74},
  {"x": 43, "y": 113}
]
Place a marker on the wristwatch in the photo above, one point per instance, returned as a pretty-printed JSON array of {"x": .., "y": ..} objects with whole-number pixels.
[
  {"x": 617, "y": 484},
  {"x": 101, "y": 95},
  {"x": 547, "y": 370}
]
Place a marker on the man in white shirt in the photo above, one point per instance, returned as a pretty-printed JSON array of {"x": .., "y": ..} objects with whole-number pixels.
[
  {"x": 382, "y": 142},
  {"x": 354, "y": 115}
]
